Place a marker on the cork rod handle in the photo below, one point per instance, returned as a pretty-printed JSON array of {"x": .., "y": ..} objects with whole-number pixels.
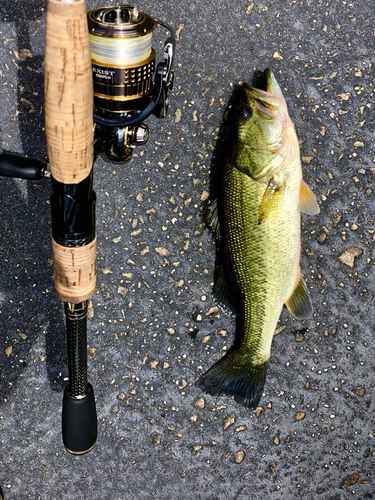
[{"x": 68, "y": 91}]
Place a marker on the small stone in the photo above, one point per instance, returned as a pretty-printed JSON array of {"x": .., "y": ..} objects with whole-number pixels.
[
  {"x": 250, "y": 7},
  {"x": 122, "y": 291},
  {"x": 197, "y": 448},
  {"x": 276, "y": 440},
  {"x": 273, "y": 466},
  {"x": 117, "y": 239},
  {"x": 139, "y": 197},
  {"x": 205, "y": 195},
  {"x": 240, "y": 428},
  {"x": 229, "y": 421},
  {"x": 239, "y": 456},
  {"x": 8, "y": 351},
  {"x": 205, "y": 339},
  {"x": 106, "y": 270},
  {"x": 156, "y": 439},
  {"x": 307, "y": 159},
  {"x": 321, "y": 238},
  {"x": 90, "y": 309},
  {"x": 194, "y": 418},
  {"x": 258, "y": 410},
  {"x": 279, "y": 330},
  {"x": 352, "y": 479},
  {"x": 165, "y": 365},
  {"x": 348, "y": 257},
  {"x": 178, "y": 115},
  {"x": 163, "y": 251},
  {"x": 172, "y": 331},
  {"x": 276, "y": 55},
  {"x": 154, "y": 364},
  {"x": 200, "y": 403},
  {"x": 22, "y": 335},
  {"x": 182, "y": 384},
  {"x": 300, "y": 415},
  {"x": 360, "y": 392},
  {"x": 212, "y": 310},
  {"x": 345, "y": 96},
  {"x": 222, "y": 333},
  {"x": 298, "y": 336}
]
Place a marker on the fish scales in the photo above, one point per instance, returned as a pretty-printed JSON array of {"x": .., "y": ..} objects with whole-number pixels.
[
  {"x": 259, "y": 206},
  {"x": 262, "y": 261}
]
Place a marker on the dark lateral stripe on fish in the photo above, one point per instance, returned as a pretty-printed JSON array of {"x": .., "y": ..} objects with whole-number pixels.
[{"x": 245, "y": 383}]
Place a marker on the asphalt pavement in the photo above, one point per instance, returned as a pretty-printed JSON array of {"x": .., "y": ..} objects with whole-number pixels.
[{"x": 154, "y": 325}]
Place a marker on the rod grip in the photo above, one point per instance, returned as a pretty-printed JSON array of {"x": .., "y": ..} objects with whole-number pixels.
[
  {"x": 68, "y": 92},
  {"x": 74, "y": 271}
]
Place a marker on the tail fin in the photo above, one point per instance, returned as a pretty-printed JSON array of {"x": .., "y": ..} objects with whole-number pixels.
[{"x": 234, "y": 375}]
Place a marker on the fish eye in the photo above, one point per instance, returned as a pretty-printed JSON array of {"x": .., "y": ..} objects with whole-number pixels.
[{"x": 245, "y": 112}]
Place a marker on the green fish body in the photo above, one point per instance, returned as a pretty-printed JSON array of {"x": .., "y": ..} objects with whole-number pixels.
[{"x": 257, "y": 220}]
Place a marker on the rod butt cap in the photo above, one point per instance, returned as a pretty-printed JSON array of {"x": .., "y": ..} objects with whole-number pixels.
[{"x": 79, "y": 422}]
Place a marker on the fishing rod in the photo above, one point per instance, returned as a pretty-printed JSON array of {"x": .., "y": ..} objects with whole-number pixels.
[{"x": 100, "y": 85}]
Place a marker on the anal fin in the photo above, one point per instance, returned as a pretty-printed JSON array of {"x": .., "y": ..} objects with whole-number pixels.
[
  {"x": 222, "y": 292},
  {"x": 299, "y": 303}
]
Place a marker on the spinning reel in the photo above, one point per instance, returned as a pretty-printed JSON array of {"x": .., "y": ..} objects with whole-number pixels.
[{"x": 123, "y": 65}]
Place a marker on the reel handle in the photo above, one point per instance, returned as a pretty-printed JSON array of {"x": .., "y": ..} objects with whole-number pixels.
[{"x": 22, "y": 168}]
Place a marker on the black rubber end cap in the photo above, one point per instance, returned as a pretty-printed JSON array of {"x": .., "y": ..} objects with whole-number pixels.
[{"x": 79, "y": 422}]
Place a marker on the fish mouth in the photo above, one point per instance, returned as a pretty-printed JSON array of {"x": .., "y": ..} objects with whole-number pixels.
[{"x": 267, "y": 101}]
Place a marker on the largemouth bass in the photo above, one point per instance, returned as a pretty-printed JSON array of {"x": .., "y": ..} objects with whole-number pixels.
[{"x": 257, "y": 220}]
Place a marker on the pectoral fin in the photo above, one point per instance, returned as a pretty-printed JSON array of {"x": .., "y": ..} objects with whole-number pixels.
[
  {"x": 299, "y": 303},
  {"x": 270, "y": 200},
  {"x": 307, "y": 200}
]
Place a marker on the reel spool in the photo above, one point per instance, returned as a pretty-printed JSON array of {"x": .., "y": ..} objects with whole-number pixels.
[{"x": 123, "y": 63}]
